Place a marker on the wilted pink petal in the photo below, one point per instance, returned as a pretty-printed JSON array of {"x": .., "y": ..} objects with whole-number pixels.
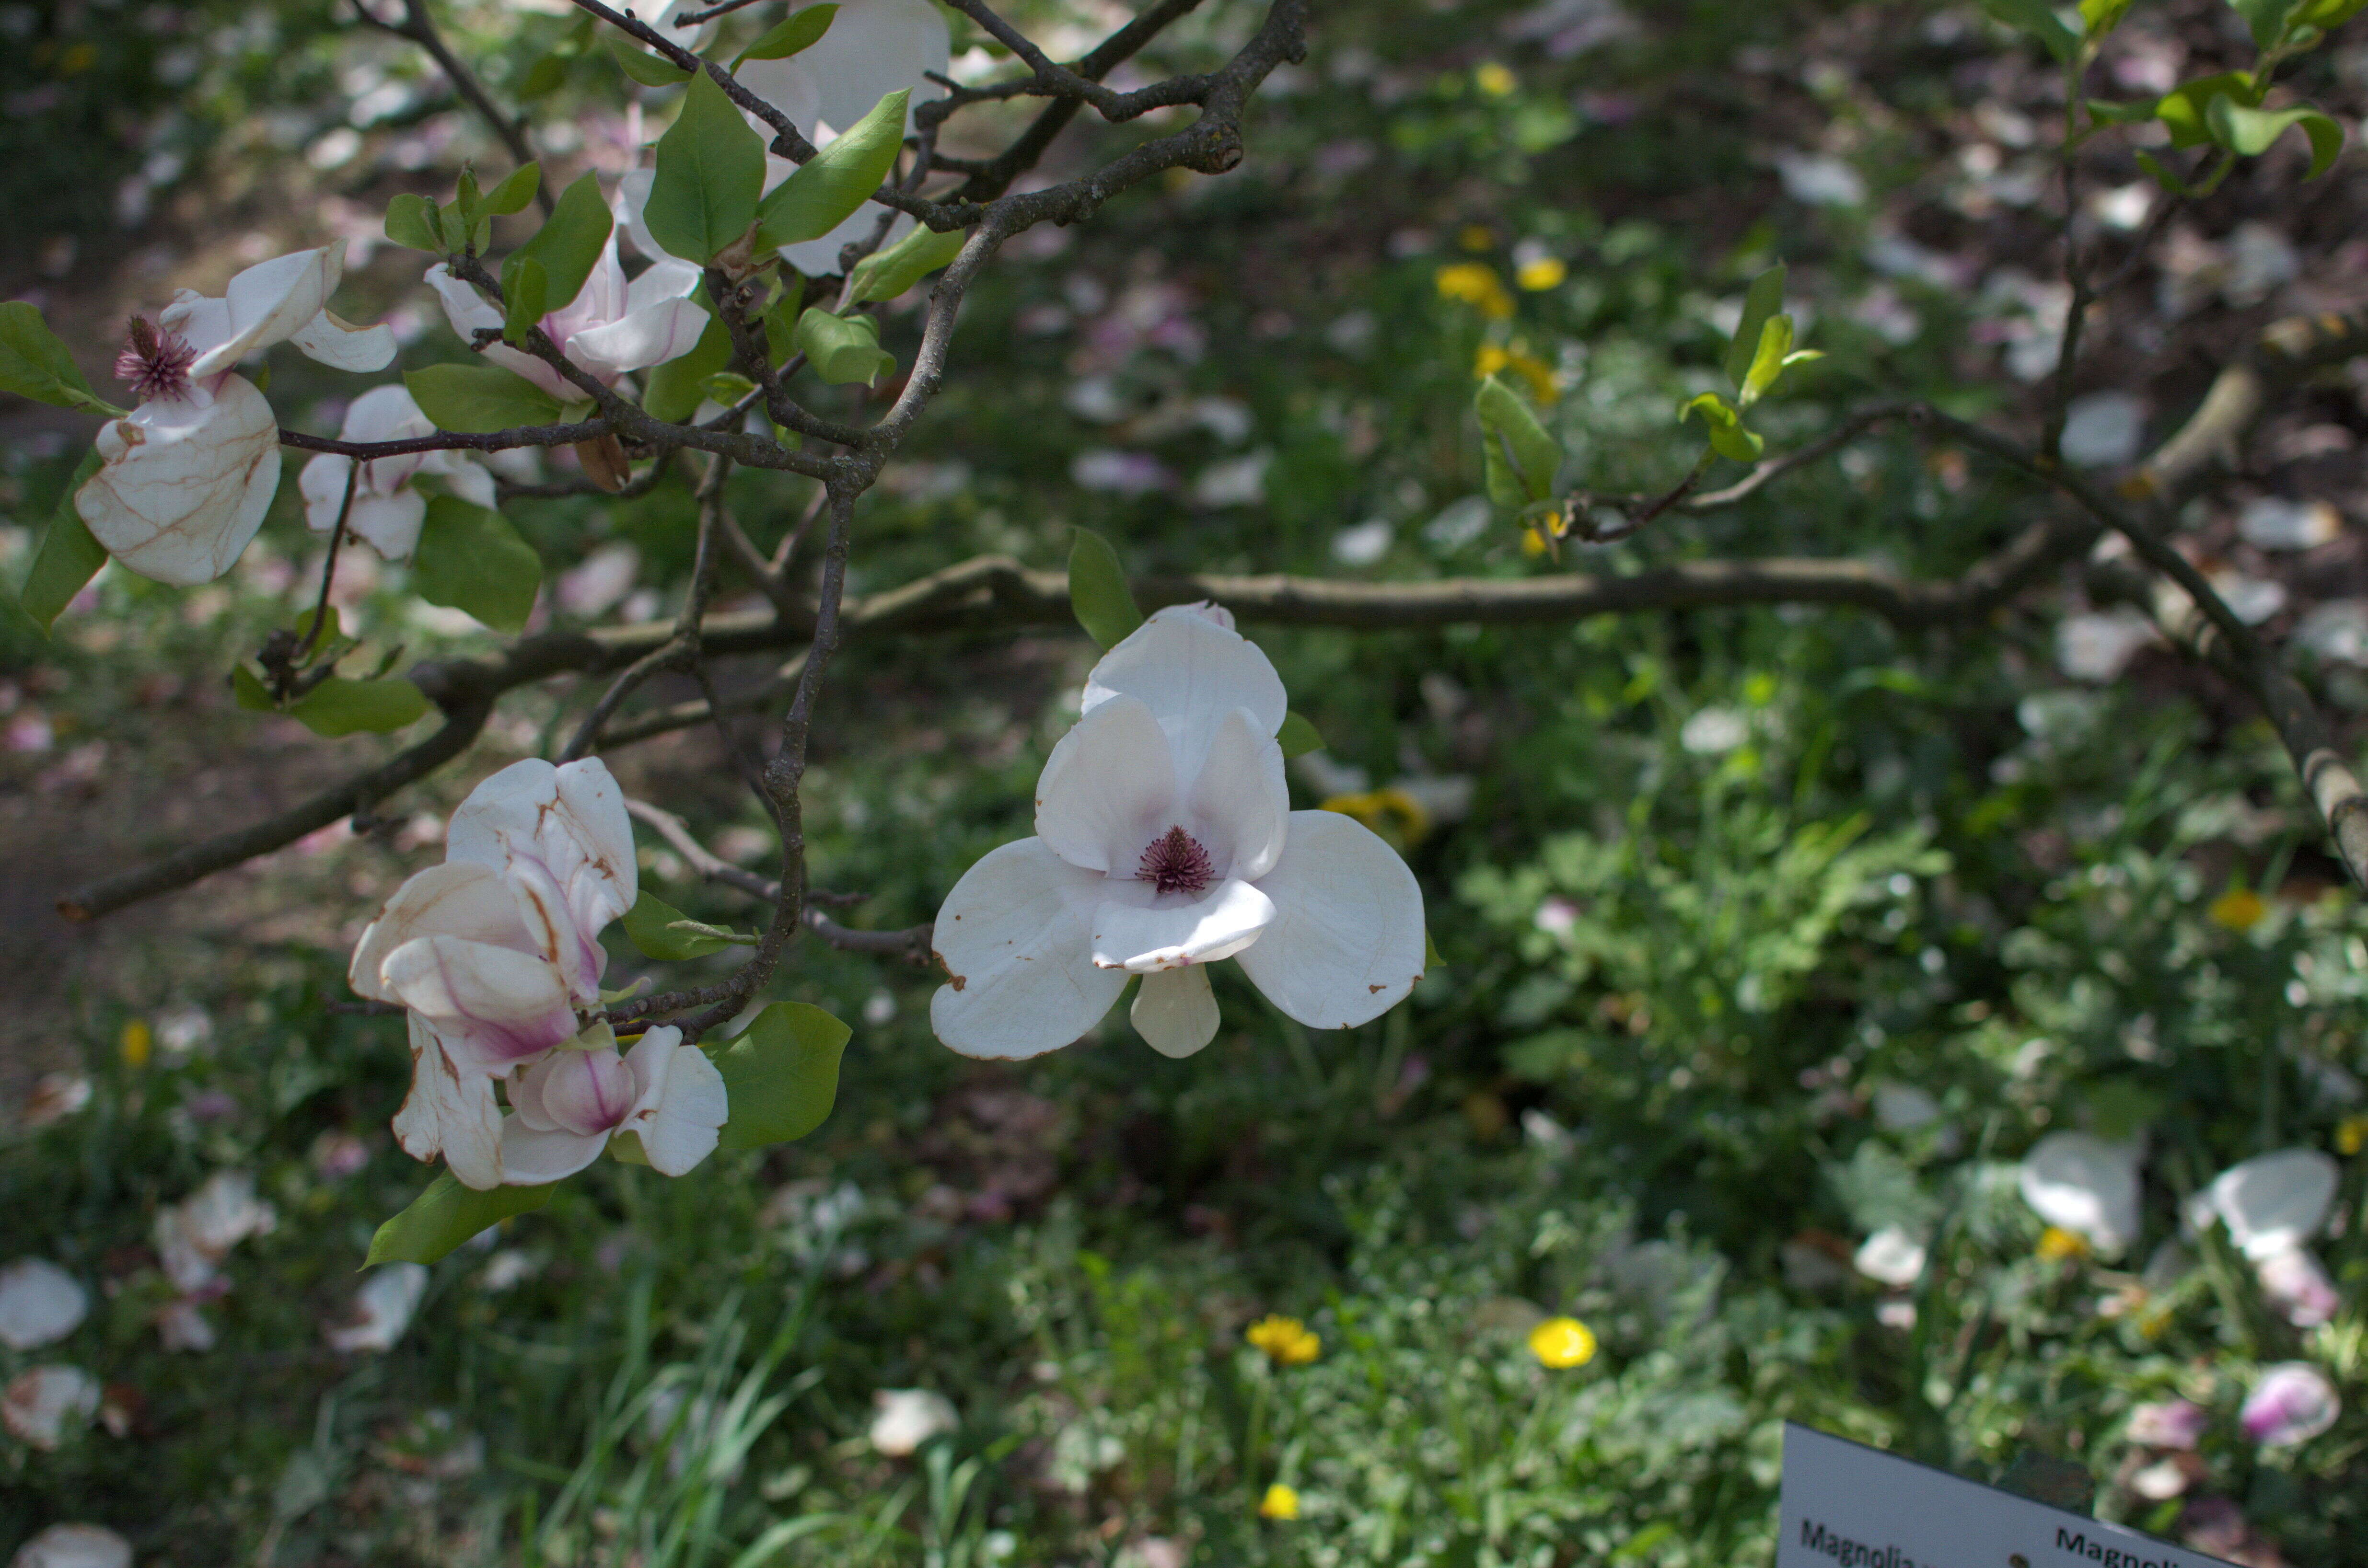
[
  {"x": 2169, "y": 1424},
  {"x": 2292, "y": 1403},
  {"x": 43, "y": 1405}
]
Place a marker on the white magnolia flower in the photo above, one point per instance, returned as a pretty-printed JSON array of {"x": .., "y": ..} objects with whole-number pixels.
[
  {"x": 610, "y": 327},
  {"x": 569, "y": 1104},
  {"x": 387, "y": 511},
  {"x": 42, "y": 1404},
  {"x": 872, "y": 49},
  {"x": 903, "y": 1419},
  {"x": 40, "y": 1303},
  {"x": 1164, "y": 841},
  {"x": 496, "y": 951},
  {"x": 2085, "y": 1185},
  {"x": 1891, "y": 1256},
  {"x": 189, "y": 474},
  {"x": 74, "y": 1546},
  {"x": 382, "y": 1309},
  {"x": 2292, "y": 1403},
  {"x": 2273, "y": 1202}
]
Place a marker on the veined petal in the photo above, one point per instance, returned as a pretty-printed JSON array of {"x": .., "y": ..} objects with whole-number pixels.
[
  {"x": 452, "y": 900},
  {"x": 1192, "y": 672},
  {"x": 1175, "y": 1011},
  {"x": 640, "y": 338},
  {"x": 183, "y": 487},
  {"x": 1014, "y": 938},
  {"x": 1347, "y": 942},
  {"x": 587, "y": 1092},
  {"x": 449, "y": 1111},
  {"x": 683, "y": 1105},
  {"x": 571, "y": 822},
  {"x": 337, "y": 343},
  {"x": 671, "y": 279},
  {"x": 270, "y": 302},
  {"x": 1107, "y": 790},
  {"x": 500, "y": 1004},
  {"x": 1239, "y": 799},
  {"x": 1142, "y": 931},
  {"x": 530, "y": 1158},
  {"x": 598, "y": 303}
]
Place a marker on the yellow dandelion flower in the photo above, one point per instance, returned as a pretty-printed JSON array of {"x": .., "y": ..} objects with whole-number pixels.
[
  {"x": 1533, "y": 542},
  {"x": 1476, "y": 284},
  {"x": 2156, "y": 1323},
  {"x": 1546, "y": 272},
  {"x": 1475, "y": 237},
  {"x": 2239, "y": 909},
  {"x": 136, "y": 1043},
  {"x": 1536, "y": 374},
  {"x": 2352, "y": 1134},
  {"x": 1493, "y": 80},
  {"x": 1280, "y": 1502},
  {"x": 1559, "y": 1343},
  {"x": 1285, "y": 1340},
  {"x": 1386, "y": 812},
  {"x": 1488, "y": 360},
  {"x": 2057, "y": 1244}
]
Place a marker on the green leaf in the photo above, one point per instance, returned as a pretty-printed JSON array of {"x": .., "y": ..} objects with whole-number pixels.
[
  {"x": 710, "y": 169},
  {"x": 246, "y": 688},
  {"x": 411, "y": 222},
  {"x": 526, "y": 295},
  {"x": 2101, "y": 17},
  {"x": 1518, "y": 454},
  {"x": 2251, "y": 131},
  {"x": 2105, "y": 112},
  {"x": 842, "y": 348},
  {"x": 1766, "y": 298},
  {"x": 2265, "y": 19},
  {"x": 1098, "y": 590},
  {"x": 673, "y": 388},
  {"x": 569, "y": 244},
  {"x": 2040, "y": 20},
  {"x": 726, "y": 387},
  {"x": 645, "y": 67},
  {"x": 1728, "y": 439},
  {"x": 2182, "y": 110},
  {"x": 446, "y": 1215},
  {"x": 69, "y": 557},
  {"x": 2161, "y": 174},
  {"x": 342, "y": 707},
  {"x": 1298, "y": 737},
  {"x": 34, "y": 363},
  {"x": 886, "y": 274},
  {"x": 464, "y": 195},
  {"x": 1430, "y": 959},
  {"x": 469, "y": 558},
  {"x": 1775, "y": 353},
  {"x": 543, "y": 78},
  {"x": 477, "y": 400},
  {"x": 781, "y": 1075},
  {"x": 653, "y": 928},
  {"x": 801, "y": 31},
  {"x": 836, "y": 181},
  {"x": 2327, "y": 14},
  {"x": 514, "y": 193}
]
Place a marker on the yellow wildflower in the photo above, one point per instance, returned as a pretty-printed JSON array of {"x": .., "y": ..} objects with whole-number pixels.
[
  {"x": 2057, "y": 1244},
  {"x": 1386, "y": 812},
  {"x": 2352, "y": 1134},
  {"x": 1559, "y": 1343},
  {"x": 1475, "y": 237},
  {"x": 135, "y": 1043},
  {"x": 1533, "y": 542},
  {"x": 1476, "y": 284},
  {"x": 2239, "y": 909},
  {"x": 1493, "y": 80},
  {"x": 1285, "y": 1340},
  {"x": 1490, "y": 360},
  {"x": 1280, "y": 1502},
  {"x": 1546, "y": 272}
]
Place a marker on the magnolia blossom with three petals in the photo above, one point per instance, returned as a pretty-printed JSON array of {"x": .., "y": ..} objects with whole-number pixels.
[
  {"x": 2086, "y": 1185},
  {"x": 611, "y": 326},
  {"x": 387, "y": 509},
  {"x": 1164, "y": 841},
  {"x": 187, "y": 475},
  {"x": 2292, "y": 1403}
]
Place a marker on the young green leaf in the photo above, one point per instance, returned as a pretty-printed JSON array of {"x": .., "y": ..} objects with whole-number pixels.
[
  {"x": 886, "y": 274},
  {"x": 1298, "y": 737},
  {"x": 1518, "y": 454},
  {"x": 1765, "y": 299},
  {"x": 645, "y": 67},
  {"x": 544, "y": 77},
  {"x": 1775, "y": 353},
  {"x": 781, "y": 1075},
  {"x": 2183, "y": 109},
  {"x": 446, "y": 1215},
  {"x": 34, "y": 363},
  {"x": 842, "y": 348},
  {"x": 569, "y": 244},
  {"x": 526, "y": 294},
  {"x": 476, "y": 399},
  {"x": 726, "y": 387},
  {"x": 342, "y": 707},
  {"x": 656, "y": 930},
  {"x": 469, "y": 558},
  {"x": 68, "y": 557},
  {"x": 1098, "y": 590},
  {"x": 801, "y": 31},
  {"x": 2105, "y": 112},
  {"x": 465, "y": 197},
  {"x": 2039, "y": 20},
  {"x": 710, "y": 169},
  {"x": 411, "y": 222},
  {"x": 2266, "y": 19},
  {"x": 2251, "y": 131},
  {"x": 836, "y": 181},
  {"x": 673, "y": 391},
  {"x": 246, "y": 688},
  {"x": 1729, "y": 437},
  {"x": 1431, "y": 955},
  {"x": 513, "y": 194},
  {"x": 2327, "y": 14}
]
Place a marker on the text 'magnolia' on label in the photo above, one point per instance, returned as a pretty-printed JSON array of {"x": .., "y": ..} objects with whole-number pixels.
[{"x": 1847, "y": 1505}]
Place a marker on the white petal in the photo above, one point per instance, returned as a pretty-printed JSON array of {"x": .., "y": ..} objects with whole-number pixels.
[
  {"x": 1239, "y": 800},
  {"x": 788, "y": 86},
  {"x": 382, "y": 1309},
  {"x": 44, "y": 1404},
  {"x": 386, "y": 414},
  {"x": 1347, "y": 943},
  {"x": 40, "y": 1303},
  {"x": 340, "y": 345},
  {"x": 600, "y": 301},
  {"x": 1107, "y": 790},
  {"x": 569, "y": 824},
  {"x": 1142, "y": 931},
  {"x": 1193, "y": 673},
  {"x": 1175, "y": 1011},
  {"x": 1013, "y": 936},
  {"x": 639, "y": 340},
  {"x": 449, "y": 1111},
  {"x": 388, "y": 524},
  {"x": 498, "y": 1005},
  {"x": 452, "y": 900},
  {"x": 321, "y": 483},
  {"x": 467, "y": 309},
  {"x": 471, "y": 481},
  {"x": 682, "y": 1127},
  {"x": 2081, "y": 1183},
  {"x": 819, "y": 257},
  {"x": 633, "y": 196},
  {"x": 874, "y": 47},
  {"x": 270, "y": 302},
  {"x": 664, "y": 282},
  {"x": 2275, "y": 1202},
  {"x": 74, "y": 1545},
  {"x": 532, "y": 1159},
  {"x": 183, "y": 488},
  {"x": 589, "y": 1093}
]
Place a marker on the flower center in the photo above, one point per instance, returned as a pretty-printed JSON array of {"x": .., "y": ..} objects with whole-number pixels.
[
  {"x": 1176, "y": 863},
  {"x": 156, "y": 362}
]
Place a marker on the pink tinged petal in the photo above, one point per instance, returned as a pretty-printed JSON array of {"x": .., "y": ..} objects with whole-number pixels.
[
  {"x": 2296, "y": 1286},
  {"x": 683, "y": 1105},
  {"x": 321, "y": 483},
  {"x": 1139, "y": 931},
  {"x": 639, "y": 340},
  {"x": 470, "y": 481},
  {"x": 2292, "y": 1403},
  {"x": 470, "y": 315},
  {"x": 271, "y": 301},
  {"x": 499, "y": 1004},
  {"x": 337, "y": 343},
  {"x": 1107, "y": 790},
  {"x": 386, "y": 414},
  {"x": 570, "y": 821},
  {"x": 1192, "y": 672},
  {"x": 1240, "y": 798},
  {"x": 598, "y": 303},
  {"x": 449, "y": 1111},
  {"x": 1347, "y": 942},
  {"x": 664, "y": 282},
  {"x": 1175, "y": 1011},
  {"x": 451, "y": 900},
  {"x": 633, "y": 188},
  {"x": 1014, "y": 939},
  {"x": 532, "y": 1159},
  {"x": 183, "y": 487},
  {"x": 587, "y": 1092}
]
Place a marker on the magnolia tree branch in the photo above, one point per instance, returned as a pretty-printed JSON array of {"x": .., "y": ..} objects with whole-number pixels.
[
  {"x": 911, "y": 944},
  {"x": 420, "y": 28}
]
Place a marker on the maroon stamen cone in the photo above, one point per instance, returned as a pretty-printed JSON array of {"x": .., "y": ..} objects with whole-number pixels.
[
  {"x": 156, "y": 362},
  {"x": 1176, "y": 863}
]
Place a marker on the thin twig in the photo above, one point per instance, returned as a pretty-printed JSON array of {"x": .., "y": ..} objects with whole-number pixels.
[{"x": 420, "y": 28}]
